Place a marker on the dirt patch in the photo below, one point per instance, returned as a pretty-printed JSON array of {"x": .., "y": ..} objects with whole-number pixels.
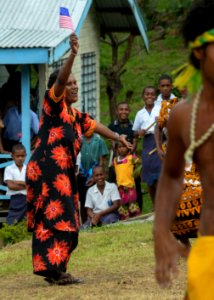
[
  {"x": 117, "y": 263},
  {"x": 100, "y": 285}
]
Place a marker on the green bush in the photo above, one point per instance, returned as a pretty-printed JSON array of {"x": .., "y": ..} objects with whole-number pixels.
[
  {"x": 11, "y": 234},
  {"x": 164, "y": 12}
]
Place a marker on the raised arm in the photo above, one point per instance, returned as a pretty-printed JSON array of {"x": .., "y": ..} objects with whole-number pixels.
[
  {"x": 170, "y": 185},
  {"x": 67, "y": 67}
]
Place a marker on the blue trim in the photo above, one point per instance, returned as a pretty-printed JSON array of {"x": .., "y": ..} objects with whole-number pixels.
[
  {"x": 25, "y": 115},
  {"x": 15, "y": 56},
  {"x": 3, "y": 188},
  {"x": 56, "y": 53},
  {"x": 140, "y": 22},
  {"x": 4, "y": 197},
  {"x": 5, "y": 164},
  {"x": 5, "y": 156},
  {"x": 84, "y": 15},
  {"x": 140, "y": 15}
]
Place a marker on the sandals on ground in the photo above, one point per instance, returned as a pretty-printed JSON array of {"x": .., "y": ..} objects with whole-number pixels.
[{"x": 64, "y": 279}]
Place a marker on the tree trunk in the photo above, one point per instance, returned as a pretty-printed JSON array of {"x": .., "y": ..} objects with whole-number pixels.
[
  {"x": 113, "y": 88},
  {"x": 114, "y": 72}
]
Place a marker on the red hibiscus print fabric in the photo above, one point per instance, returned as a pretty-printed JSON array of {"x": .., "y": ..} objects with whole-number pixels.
[
  {"x": 65, "y": 226},
  {"x": 33, "y": 171},
  {"x": 62, "y": 157},
  {"x": 42, "y": 233},
  {"x": 55, "y": 134},
  {"x": 53, "y": 209},
  {"x": 38, "y": 263},
  {"x": 63, "y": 185},
  {"x": 58, "y": 252}
]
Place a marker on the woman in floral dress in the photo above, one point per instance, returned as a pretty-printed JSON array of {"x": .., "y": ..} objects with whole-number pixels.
[{"x": 53, "y": 210}]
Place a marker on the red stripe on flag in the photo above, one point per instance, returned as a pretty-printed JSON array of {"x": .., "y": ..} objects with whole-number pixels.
[{"x": 65, "y": 22}]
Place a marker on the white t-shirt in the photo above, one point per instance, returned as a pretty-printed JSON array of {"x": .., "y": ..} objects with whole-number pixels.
[
  {"x": 99, "y": 202},
  {"x": 78, "y": 163},
  {"x": 160, "y": 99},
  {"x": 144, "y": 119},
  {"x": 12, "y": 172}
]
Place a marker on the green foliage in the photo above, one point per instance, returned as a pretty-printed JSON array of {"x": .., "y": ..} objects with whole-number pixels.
[
  {"x": 165, "y": 56},
  {"x": 11, "y": 234},
  {"x": 164, "y": 12}
]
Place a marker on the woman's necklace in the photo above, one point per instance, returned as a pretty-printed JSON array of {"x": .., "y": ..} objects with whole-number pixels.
[{"x": 193, "y": 143}]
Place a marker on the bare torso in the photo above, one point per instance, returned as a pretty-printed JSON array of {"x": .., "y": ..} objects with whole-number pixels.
[{"x": 204, "y": 157}]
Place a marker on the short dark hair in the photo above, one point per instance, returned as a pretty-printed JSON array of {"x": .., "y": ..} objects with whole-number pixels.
[
  {"x": 18, "y": 147},
  {"x": 165, "y": 77},
  {"x": 52, "y": 78},
  {"x": 99, "y": 167},
  {"x": 149, "y": 87},
  {"x": 122, "y": 103},
  {"x": 199, "y": 20}
]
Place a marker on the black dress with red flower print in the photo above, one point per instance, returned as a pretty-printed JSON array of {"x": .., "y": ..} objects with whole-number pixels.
[{"x": 53, "y": 208}]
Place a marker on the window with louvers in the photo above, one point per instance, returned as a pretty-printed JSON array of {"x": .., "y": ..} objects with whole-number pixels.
[{"x": 88, "y": 84}]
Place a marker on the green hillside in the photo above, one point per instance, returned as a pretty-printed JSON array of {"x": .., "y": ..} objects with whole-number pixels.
[{"x": 143, "y": 69}]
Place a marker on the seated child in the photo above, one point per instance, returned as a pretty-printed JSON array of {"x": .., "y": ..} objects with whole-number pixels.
[
  {"x": 93, "y": 152},
  {"x": 102, "y": 200},
  {"x": 124, "y": 164},
  {"x": 14, "y": 177}
]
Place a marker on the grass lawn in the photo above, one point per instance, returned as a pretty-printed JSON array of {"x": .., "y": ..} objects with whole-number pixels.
[{"x": 117, "y": 262}]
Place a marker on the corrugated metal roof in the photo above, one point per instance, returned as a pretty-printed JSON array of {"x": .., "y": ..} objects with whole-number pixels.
[
  {"x": 21, "y": 38},
  {"x": 121, "y": 16},
  {"x": 116, "y": 15},
  {"x": 35, "y": 23},
  {"x": 113, "y": 4}
]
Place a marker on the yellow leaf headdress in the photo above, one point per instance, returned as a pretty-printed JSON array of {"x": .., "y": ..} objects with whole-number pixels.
[{"x": 190, "y": 77}]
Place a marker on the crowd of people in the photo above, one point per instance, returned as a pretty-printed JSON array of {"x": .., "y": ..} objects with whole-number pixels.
[
  {"x": 69, "y": 143},
  {"x": 148, "y": 124}
]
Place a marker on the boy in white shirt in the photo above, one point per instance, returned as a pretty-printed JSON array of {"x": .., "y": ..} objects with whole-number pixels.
[
  {"x": 102, "y": 200},
  {"x": 144, "y": 125},
  {"x": 165, "y": 88},
  {"x": 14, "y": 177}
]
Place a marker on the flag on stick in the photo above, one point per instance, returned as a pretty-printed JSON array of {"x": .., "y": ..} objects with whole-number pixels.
[{"x": 65, "y": 19}]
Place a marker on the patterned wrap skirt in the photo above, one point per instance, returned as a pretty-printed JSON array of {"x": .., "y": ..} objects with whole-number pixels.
[
  {"x": 127, "y": 195},
  {"x": 186, "y": 223}
]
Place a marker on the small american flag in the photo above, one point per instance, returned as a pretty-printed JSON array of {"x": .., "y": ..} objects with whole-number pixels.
[{"x": 65, "y": 19}]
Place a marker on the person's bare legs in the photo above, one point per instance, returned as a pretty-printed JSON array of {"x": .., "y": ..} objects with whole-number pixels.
[{"x": 185, "y": 241}]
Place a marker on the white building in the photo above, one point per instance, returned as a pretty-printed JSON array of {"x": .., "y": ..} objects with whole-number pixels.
[{"x": 30, "y": 36}]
